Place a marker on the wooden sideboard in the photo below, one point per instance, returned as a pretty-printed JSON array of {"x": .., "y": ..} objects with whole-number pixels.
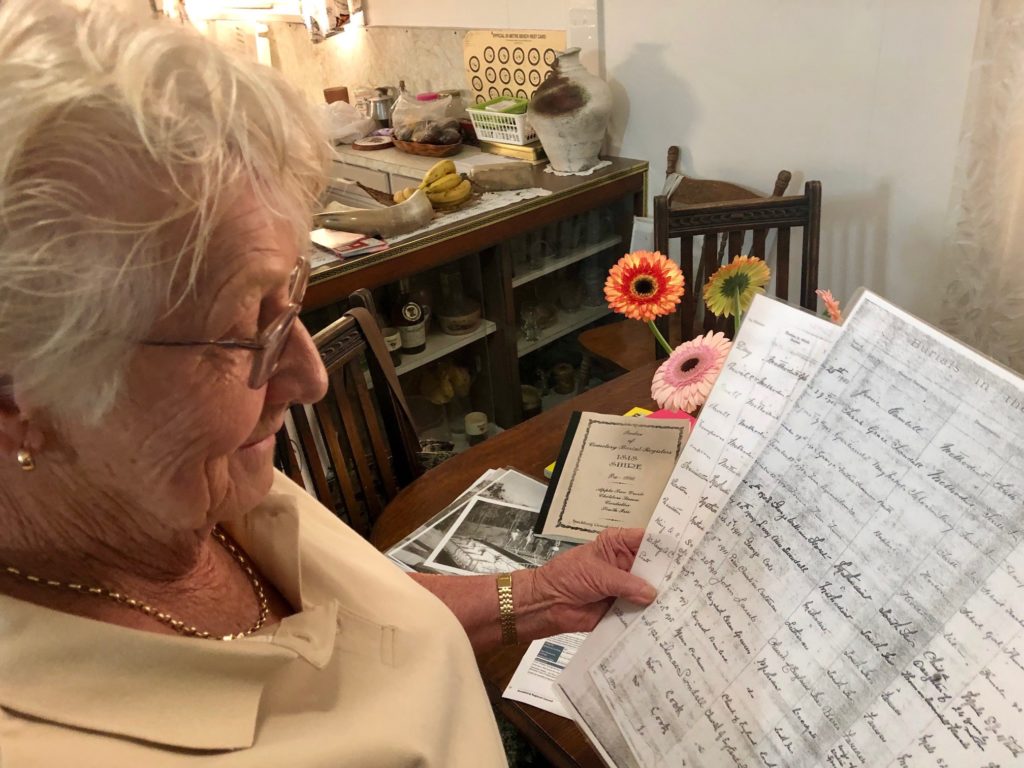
[{"x": 485, "y": 247}]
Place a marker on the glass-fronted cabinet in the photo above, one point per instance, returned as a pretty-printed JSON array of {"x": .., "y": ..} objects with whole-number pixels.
[
  {"x": 558, "y": 275},
  {"x": 437, "y": 324}
]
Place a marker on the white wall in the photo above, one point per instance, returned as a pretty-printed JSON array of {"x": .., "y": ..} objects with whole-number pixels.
[{"x": 865, "y": 95}]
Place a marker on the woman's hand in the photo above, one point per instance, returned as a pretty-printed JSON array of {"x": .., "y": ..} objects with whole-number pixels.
[
  {"x": 569, "y": 594},
  {"x": 577, "y": 587}
]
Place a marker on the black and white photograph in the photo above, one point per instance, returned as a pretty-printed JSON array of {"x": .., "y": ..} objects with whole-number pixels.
[
  {"x": 513, "y": 487},
  {"x": 411, "y": 551},
  {"x": 492, "y": 537},
  {"x": 503, "y": 485}
]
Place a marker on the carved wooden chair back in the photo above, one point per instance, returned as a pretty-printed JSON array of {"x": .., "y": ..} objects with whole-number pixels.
[
  {"x": 360, "y": 446},
  {"x": 724, "y": 214}
]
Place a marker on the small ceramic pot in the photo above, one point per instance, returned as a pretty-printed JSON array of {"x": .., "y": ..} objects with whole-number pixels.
[
  {"x": 564, "y": 376},
  {"x": 531, "y": 400},
  {"x": 461, "y": 324}
]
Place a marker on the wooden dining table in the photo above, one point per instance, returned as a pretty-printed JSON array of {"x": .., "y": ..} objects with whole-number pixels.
[{"x": 527, "y": 447}]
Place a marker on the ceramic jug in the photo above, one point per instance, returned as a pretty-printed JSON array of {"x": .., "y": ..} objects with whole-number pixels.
[{"x": 570, "y": 113}]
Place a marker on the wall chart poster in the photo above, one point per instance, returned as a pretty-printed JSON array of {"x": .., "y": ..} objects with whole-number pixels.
[{"x": 511, "y": 62}]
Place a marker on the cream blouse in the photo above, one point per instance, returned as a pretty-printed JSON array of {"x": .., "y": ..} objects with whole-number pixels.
[{"x": 373, "y": 671}]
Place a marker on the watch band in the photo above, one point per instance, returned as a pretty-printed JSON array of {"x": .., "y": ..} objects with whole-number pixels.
[{"x": 506, "y": 610}]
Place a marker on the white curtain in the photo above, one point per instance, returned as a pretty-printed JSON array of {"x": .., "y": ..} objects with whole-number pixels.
[{"x": 984, "y": 305}]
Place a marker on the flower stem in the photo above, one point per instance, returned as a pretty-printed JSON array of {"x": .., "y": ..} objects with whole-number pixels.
[
  {"x": 659, "y": 337},
  {"x": 738, "y": 314}
]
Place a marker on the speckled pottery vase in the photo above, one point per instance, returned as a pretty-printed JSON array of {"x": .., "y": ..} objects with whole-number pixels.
[{"x": 570, "y": 113}]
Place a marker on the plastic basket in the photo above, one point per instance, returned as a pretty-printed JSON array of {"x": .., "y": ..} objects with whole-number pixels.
[{"x": 500, "y": 126}]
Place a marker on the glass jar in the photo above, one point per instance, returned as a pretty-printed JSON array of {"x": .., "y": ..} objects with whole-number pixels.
[
  {"x": 476, "y": 427},
  {"x": 517, "y": 249},
  {"x": 592, "y": 279},
  {"x": 457, "y": 314},
  {"x": 566, "y": 235},
  {"x": 570, "y": 290},
  {"x": 542, "y": 252},
  {"x": 529, "y": 321}
]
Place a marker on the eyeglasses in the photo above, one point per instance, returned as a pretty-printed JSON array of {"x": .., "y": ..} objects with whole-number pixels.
[{"x": 271, "y": 341}]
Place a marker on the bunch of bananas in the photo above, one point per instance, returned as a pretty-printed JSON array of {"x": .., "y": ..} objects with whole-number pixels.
[{"x": 445, "y": 187}]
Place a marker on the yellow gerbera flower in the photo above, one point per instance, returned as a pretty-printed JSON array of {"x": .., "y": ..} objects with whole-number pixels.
[
  {"x": 744, "y": 277},
  {"x": 644, "y": 285}
]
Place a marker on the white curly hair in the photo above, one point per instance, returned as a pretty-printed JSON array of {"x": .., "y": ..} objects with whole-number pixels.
[{"x": 123, "y": 138}]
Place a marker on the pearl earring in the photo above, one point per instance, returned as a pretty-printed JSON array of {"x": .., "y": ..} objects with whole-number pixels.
[{"x": 25, "y": 460}]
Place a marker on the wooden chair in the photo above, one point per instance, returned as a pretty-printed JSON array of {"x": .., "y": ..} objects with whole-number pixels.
[
  {"x": 723, "y": 213},
  {"x": 724, "y": 227},
  {"x": 361, "y": 447}
]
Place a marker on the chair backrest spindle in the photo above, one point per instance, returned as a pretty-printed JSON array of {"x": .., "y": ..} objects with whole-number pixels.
[{"x": 360, "y": 448}]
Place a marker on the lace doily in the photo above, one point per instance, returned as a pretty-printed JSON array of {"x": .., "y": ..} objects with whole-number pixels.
[{"x": 599, "y": 166}]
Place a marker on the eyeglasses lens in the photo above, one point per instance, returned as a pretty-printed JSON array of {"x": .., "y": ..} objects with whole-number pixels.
[{"x": 276, "y": 335}]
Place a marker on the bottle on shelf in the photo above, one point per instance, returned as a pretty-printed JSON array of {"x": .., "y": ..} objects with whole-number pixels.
[
  {"x": 410, "y": 320},
  {"x": 393, "y": 341},
  {"x": 422, "y": 292},
  {"x": 457, "y": 314}
]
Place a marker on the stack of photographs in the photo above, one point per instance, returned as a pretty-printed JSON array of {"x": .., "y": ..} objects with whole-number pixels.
[{"x": 487, "y": 529}]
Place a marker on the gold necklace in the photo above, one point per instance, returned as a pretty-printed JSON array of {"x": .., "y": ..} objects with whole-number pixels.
[{"x": 178, "y": 626}]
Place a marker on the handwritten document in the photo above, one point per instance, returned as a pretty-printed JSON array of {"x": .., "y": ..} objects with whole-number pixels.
[
  {"x": 857, "y": 601},
  {"x": 611, "y": 474},
  {"x": 777, "y": 350}
]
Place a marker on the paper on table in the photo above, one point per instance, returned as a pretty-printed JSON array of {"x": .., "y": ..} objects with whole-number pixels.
[
  {"x": 778, "y": 347},
  {"x": 533, "y": 680},
  {"x": 857, "y": 592}
]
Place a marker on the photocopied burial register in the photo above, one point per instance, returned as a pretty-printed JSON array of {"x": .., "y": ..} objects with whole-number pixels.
[{"x": 839, "y": 556}]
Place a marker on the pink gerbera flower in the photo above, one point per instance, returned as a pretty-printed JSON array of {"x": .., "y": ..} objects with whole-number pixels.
[
  {"x": 684, "y": 381},
  {"x": 831, "y": 306}
]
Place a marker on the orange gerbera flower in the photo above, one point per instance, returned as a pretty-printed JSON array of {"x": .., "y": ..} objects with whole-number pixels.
[
  {"x": 835, "y": 314},
  {"x": 644, "y": 285}
]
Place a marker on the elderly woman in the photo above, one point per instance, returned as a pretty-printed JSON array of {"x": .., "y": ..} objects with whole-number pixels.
[{"x": 167, "y": 598}]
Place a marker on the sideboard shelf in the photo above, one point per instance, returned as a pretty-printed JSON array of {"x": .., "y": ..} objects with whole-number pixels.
[
  {"x": 567, "y": 323},
  {"x": 441, "y": 344},
  {"x": 575, "y": 255}
]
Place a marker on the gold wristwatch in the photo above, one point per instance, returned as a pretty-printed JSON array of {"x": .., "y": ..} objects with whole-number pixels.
[{"x": 506, "y": 610}]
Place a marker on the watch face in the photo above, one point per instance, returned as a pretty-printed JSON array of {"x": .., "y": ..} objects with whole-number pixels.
[{"x": 412, "y": 313}]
